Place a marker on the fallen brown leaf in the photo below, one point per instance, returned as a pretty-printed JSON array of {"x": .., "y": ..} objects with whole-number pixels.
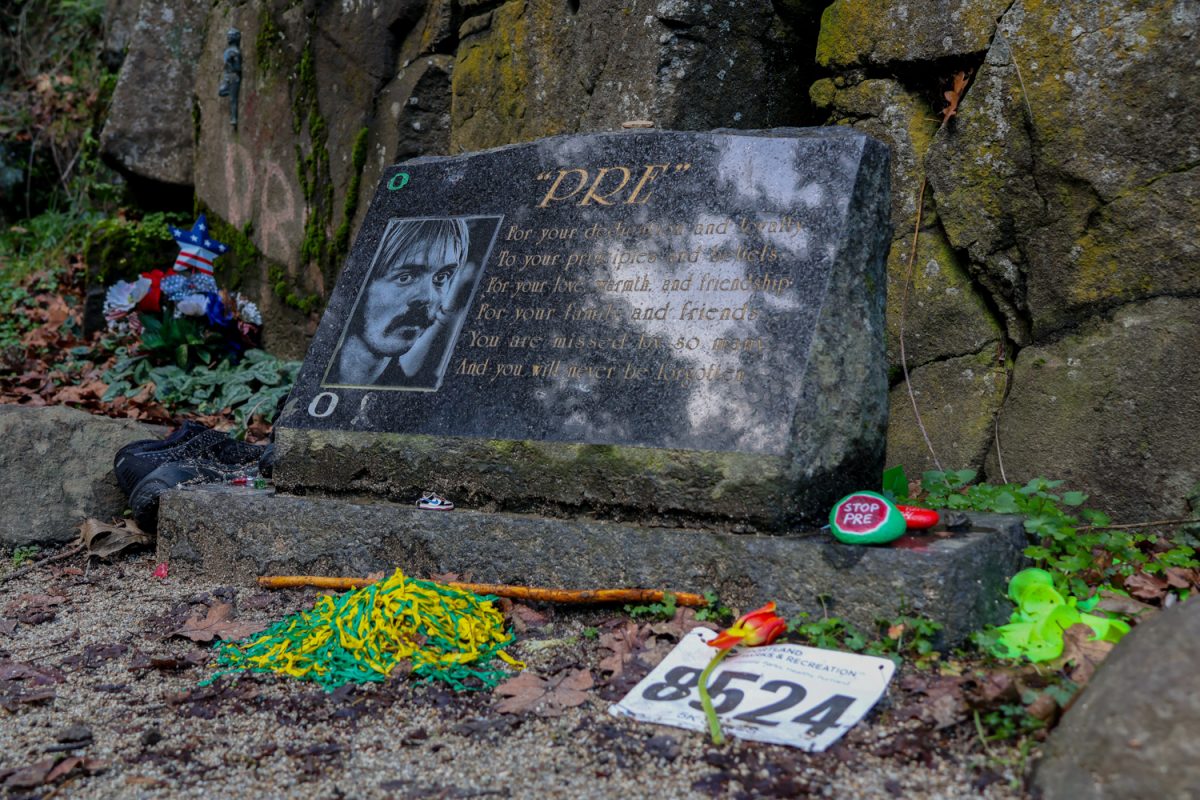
[
  {"x": 546, "y": 697},
  {"x": 107, "y": 540},
  {"x": 1146, "y": 587},
  {"x": 1081, "y": 648},
  {"x": 1120, "y": 604},
  {"x": 30, "y": 777},
  {"x": 680, "y": 625},
  {"x": 530, "y": 617},
  {"x": 954, "y": 96},
  {"x": 216, "y": 622},
  {"x": 624, "y": 643},
  {"x": 993, "y": 688},
  {"x": 1044, "y": 708},
  {"x": 68, "y": 765},
  {"x": 1180, "y": 577},
  {"x": 941, "y": 700},
  {"x": 34, "y": 609}
]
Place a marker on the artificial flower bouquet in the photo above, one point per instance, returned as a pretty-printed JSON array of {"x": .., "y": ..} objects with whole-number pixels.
[{"x": 181, "y": 315}]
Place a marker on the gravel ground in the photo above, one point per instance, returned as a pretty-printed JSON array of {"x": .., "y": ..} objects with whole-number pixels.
[{"x": 102, "y": 682}]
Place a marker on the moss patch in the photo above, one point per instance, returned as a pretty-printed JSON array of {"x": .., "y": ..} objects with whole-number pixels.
[
  {"x": 118, "y": 249},
  {"x": 358, "y": 160},
  {"x": 267, "y": 49},
  {"x": 316, "y": 185}
]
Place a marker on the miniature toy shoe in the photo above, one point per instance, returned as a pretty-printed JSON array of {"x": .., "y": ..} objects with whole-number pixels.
[{"x": 432, "y": 501}]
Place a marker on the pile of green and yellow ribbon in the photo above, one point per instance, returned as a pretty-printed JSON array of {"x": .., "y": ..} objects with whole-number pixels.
[{"x": 362, "y": 635}]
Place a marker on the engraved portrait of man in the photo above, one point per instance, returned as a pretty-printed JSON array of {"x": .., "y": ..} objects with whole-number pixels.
[{"x": 410, "y": 309}]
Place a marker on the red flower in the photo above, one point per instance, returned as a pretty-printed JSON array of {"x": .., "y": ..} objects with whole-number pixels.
[
  {"x": 152, "y": 302},
  {"x": 759, "y": 627}
]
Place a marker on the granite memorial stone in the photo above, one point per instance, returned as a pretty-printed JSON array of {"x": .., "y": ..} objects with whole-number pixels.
[{"x": 678, "y": 327}]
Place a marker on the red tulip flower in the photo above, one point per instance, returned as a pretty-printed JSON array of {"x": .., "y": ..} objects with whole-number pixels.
[{"x": 759, "y": 627}]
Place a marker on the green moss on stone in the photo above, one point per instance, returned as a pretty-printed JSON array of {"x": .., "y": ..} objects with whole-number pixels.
[
  {"x": 358, "y": 160},
  {"x": 822, "y": 93},
  {"x": 266, "y": 43},
  {"x": 316, "y": 186},
  {"x": 121, "y": 250},
  {"x": 287, "y": 291},
  {"x": 242, "y": 256},
  {"x": 490, "y": 81},
  {"x": 840, "y": 41}
]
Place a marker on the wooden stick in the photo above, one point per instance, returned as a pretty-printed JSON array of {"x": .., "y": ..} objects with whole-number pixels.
[{"x": 500, "y": 590}]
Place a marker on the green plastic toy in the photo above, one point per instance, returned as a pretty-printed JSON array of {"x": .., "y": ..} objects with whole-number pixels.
[
  {"x": 1043, "y": 614},
  {"x": 866, "y": 518}
]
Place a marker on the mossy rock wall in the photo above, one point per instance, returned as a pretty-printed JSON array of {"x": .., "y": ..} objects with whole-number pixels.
[
  {"x": 1064, "y": 191},
  {"x": 1062, "y": 199}
]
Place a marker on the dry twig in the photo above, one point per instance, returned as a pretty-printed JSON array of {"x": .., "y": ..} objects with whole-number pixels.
[
  {"x": 1151, "y": 524},
  {"x": 16, "y": 573},
  {"x": 912, "y": 258}
]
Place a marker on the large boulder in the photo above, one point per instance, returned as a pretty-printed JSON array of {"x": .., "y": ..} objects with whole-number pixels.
[
  {"x": 1113, "y": 409},
  {"x": 56, "y": 470},
  {"x": 1070, "y": 173},
  {"x": 943, "y": 311},
  {"x": 1132, "y": 733},
  {"x": 958, "y": 399},
  {"x": 883, "y": 32},
  {"x": 148, "y": 132},
  {"x": 532, "y": 68}
]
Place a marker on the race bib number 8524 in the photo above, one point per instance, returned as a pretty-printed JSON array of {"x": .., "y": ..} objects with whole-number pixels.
[{"x": 784, "y": 693}]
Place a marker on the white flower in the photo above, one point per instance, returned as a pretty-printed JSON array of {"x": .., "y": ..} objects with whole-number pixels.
[
  {"x": 192, "y": 305},
  {"x": 123, "y": 296},
  {"x": 247, "y": 311}
]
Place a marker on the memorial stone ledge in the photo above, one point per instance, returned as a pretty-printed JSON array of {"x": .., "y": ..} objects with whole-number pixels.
[{"x": 235, "y": 535}]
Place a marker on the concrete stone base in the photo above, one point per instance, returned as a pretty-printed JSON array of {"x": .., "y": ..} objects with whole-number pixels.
[{"x": 234, "y": 534}]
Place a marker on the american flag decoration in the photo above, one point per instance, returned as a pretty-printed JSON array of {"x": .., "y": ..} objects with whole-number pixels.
[{"x": 197, "y": 249}]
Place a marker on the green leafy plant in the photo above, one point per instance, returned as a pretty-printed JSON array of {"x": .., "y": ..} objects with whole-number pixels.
[
  {"x": 904, "y": 636},
  {"x": 183, "y": 341},
  {"x": 1078, "y": 546},
  {"x": 25, "y": 553},
  {"x": 830, "y": 633},
  {"x": 713, "y": 610},
  {"x": 253, "y": 386},
  {"x": 663, "y": 610}
]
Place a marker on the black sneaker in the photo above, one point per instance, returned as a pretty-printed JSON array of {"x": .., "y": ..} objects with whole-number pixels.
[
  {"x": 266, "y": 464},
  {"x": 178, "y": 436},
  {"x": 233, "y": 453},
  {"x": 144, "y": 498},
  {"x": 132, "y": 465}
]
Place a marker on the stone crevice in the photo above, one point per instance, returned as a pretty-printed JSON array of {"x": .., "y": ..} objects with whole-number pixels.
[
  {"x": 1111, "y": 24},
  {"x": 943, "y": 358}
]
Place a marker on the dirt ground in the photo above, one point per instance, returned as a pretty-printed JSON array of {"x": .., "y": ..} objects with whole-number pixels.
[{"x": 100, "y": 701}]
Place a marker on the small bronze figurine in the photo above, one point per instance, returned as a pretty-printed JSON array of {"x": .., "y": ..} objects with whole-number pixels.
[{"x": 231, "y": 77}]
